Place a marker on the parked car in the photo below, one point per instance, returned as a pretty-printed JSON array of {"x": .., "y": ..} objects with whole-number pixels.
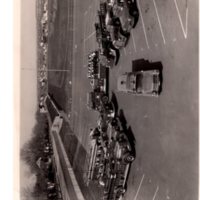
[
  {"x": 96, "y": 100},
  {"x": 118, "y": 37},
  {"x": 107, "y": 52},
  {"x": 140, "y": 82},
  {"x": 123, "y": 149},
  {"x": 120, "y": 157},
  {"x": 102, "y": 124},
  {"x": 127, "y": 12},
  {"x": 105, "y": 57}
]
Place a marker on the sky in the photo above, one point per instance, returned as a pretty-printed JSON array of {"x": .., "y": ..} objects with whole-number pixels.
[{"x": 28, "y": 79}]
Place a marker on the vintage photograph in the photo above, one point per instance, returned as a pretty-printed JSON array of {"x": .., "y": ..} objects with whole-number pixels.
[{"x": 109, "y": 95}]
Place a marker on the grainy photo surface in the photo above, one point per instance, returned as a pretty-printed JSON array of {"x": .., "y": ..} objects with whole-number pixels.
[{"x": 109, "y": 100}]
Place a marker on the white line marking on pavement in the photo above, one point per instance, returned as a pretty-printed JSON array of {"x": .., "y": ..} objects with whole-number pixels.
[
  {"x": 68, "y": 12},
  {"x": 90, "y": 20},
  {"x": 84, "y": 43},
  {"x": 89, "y": 36},
  {"x": 95, "y": 8},
  {"x": 74, "y": 38},
  {"x": 186, "y": 19},
  {"x": 145, "y": 34},
  {"x": 133, "y": 40},
  {"x": 161, "y": 30},
  {"x": 154, "y": 196},
  {"x": 139, "y": 187}
]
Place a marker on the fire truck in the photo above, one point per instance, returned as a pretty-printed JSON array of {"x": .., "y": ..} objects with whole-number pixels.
[
  {"x": 97, "y": 99},
  {"x": 111, "y": 159}
]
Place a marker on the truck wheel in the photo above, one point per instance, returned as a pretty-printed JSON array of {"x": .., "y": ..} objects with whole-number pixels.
[
  {"x": 114, "y": 122},
  {"x": 128, "y": 158},
  {"x": 120, "y": 190},
  {"x": 105, "y": 99}
]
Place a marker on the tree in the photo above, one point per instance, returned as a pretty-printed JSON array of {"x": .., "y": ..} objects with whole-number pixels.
[{"x": 32, "y": 150}]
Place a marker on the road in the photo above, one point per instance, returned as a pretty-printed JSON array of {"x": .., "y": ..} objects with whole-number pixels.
[{"x": 165, "y": 128}]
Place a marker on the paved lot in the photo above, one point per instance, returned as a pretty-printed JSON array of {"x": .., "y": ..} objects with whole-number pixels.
[{"x": 165, "y": 128}]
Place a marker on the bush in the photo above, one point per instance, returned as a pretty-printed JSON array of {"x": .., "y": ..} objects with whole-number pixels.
[{"x": 33, "y": 149}]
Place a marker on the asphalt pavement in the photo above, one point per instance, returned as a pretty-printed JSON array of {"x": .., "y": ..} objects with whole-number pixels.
[{"x": 165, "y": 128}]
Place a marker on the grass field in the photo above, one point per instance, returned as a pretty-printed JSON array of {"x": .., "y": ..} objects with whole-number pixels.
[{"x": 60, "y": 53}]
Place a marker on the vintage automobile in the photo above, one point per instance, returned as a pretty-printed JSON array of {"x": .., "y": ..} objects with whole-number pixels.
[
  {"x": 123, "y": 149},
  {"x": 108, "y": 54},
  {"x": 105, "y": 117},
  {"x": 96, "y": 100},
  {"x": 120, "y": 157},
  {"x": 110, "y": 158},
  {"x": 108, "y": 58},
  {"x": 140, "y": 82},
  {"x": 105, "y": 57},
  {"x": 127, "y": 12},
  {"x": 118, "y": 37}
]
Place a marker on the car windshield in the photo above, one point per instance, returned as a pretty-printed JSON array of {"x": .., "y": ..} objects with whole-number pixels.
[{"x": 144, "y": 82}]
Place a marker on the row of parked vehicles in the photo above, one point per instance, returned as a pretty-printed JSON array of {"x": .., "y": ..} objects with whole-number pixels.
[
  {"x": 115, "y": 20},
  {"x": 118, "y": 18},
  {"x": 111, "y": 155},
  {"x": 111, "y": 152}
]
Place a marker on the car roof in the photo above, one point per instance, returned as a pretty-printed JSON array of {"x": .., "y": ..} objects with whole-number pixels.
[{"x": 145, "y": 81}]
